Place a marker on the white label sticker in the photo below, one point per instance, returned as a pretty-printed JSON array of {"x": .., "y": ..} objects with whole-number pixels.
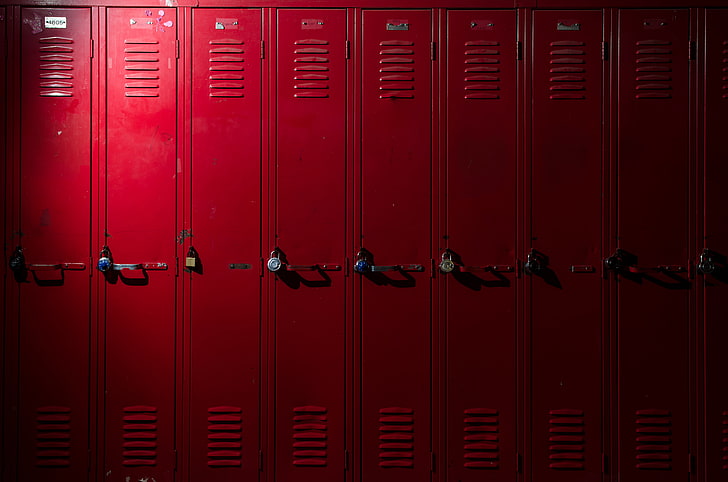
[{"x": 55, "y": 22}]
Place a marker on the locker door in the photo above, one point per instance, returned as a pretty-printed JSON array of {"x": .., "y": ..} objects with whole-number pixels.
[
  {"x": 395, "y": 229},
  {"x": 51, "y": 289},
  {"x": 715, "y": 241},
  {"x": 139, "y": 292},
  {"x": 565, "y": 276},
  {"x": 653, "y": 289},
  {"x": 480, "y": 231},
  {"x": 225, "y": 279},
  {"x": 310, "y": 228}
]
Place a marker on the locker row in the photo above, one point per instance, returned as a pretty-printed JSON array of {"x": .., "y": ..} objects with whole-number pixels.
[{"x": 351, "y": 244}]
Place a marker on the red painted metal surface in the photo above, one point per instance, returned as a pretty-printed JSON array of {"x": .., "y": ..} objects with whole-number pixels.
[
  {"x": 309, "y": 225},
  {"x": 52, "y": 277},
  {"x": 653, "y": 289},
  {"x": 565, "y": 305},
  {"x": 225, "y": 245},
  {"x": 715, "y": 240},
  {"x": 139, "y": 310},
  {"x": 480, "y": 293},
  {"x": 395, "y": 180}
]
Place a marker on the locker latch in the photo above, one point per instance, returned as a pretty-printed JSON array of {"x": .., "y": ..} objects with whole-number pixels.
[
  {"x": 363, "y": 264},
  {"x": 624, "y": 261},
  {"x": 448, "y": 264},
  {"x": 106, "y": 263}
]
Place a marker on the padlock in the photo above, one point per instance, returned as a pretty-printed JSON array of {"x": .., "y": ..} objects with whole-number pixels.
[
  {"x": 191, "y": 258},
  {"x": 105, "y": 263},
  {"x": 274, "y": 262},
  {"x": 447, "y": 265},
  {"x": 17, "y": 260},
  {"x": 362, "y": 264}
]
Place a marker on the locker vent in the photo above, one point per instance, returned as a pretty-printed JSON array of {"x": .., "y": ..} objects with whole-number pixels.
[
  {"x": 141, "y": 66},
  {"x": 481, "y": 438},
  {"x": 226, "y": 68},
  {"x": 56, "y": 67},
  {"x": 224, "y": 435},
  {"x": 653, "y": 66},
  {"x": 310, "y": 70},
  {"x": 54, "y": 437},
  {"x": 481, "y": 69},
  {"x": 566, "y": 439},
  {"x": 725, "y": 440},
  {"x": 396, "y": 437},
  {"x": 140, "y": 436},
  {"x": 397, "y": 66},
  {"x": 654, "y": 439},
  {"x": 724, "y": 62},
  {"x": 568, "y": 70},
  {"x": 309, "y": 436}
]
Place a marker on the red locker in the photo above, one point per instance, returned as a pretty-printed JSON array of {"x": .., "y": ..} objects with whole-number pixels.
[
  {"x": 51, "y": 285},
  {"x": 138, "y": 259},
  {"x": 479, "y": 243},
  {"x": 223, "y": 251},
  {"x": 712, "y": 261},
  {"x": 306, "y": 266},
  {"x": 564, "y": 311},
  {"x": 653, "y": 289},
  {"x": 394, "y": 229}
]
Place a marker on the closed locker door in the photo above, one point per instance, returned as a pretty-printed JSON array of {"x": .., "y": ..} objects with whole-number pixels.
[
  {"x": 138, "y": 258},
  {"x": 223, "y": 254},
  {"x": 713, "y": 261},
  {"x": 393, "y": 271},
  {"x": 478, "y": 240},
  {"x": 50, "y": 258},
  {"x": 307, "y": 259},
  {"x": 563, "y": 266},
  {"x": 650, "y": 268}
]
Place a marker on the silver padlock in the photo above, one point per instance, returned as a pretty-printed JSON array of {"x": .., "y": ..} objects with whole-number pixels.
[
  {"x": 446, "y": 264},
  {"x": 274, "y": 262}
]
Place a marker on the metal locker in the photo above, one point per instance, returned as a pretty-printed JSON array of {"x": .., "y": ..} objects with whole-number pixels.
[
  {"x": 306, "y": 263},
  {"x": 563, "y": 258},
  {"x": 137, "y": 253},
  {"x": 50, "y": 309},
  {"x": 712, "y": 261},
  {"x": 478, "y": 243},
  {"x": 653, "y": 326},
  {"x": 394, "y": 227},
  {"x": 223, "y": 246}
]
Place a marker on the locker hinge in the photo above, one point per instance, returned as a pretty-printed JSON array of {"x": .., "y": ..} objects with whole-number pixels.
[
  {"x": 432, "y": 461},
  {"x": 262, "y": 49},
  {"x": 432, "y": 268},
  {"x": 176, "y": 49},
  {"x": 605, "y": 464},
  {"x": 605, "y": 50},
  {"x": 519, "y": 50},
  {"x": 261, "y": 271},
  {"x": 346, "y": 267},
  {"x": 691, "y": 463},
  {"x": 174, "y": 452},
  {"x": 348, "y": 50},
  {"x": 433, "y": 50},
  {"x": 176, "y": 267},
  {"x": 260, "y": 461},
  {"x": 346, "y": 460},
  {"x": 519, "y": 463},
  {"x": 693, "y": 50},
  {"x": 88, "y": 460},
  {"x": 91, "y": 55}
]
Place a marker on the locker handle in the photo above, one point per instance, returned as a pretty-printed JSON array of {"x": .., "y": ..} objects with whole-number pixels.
[
  {"x": 663, "y": 268},
  {"x": 620, "y": 261},
  {"x": 494, "y": 268},
  {"x": 52, "y": 267},
  {"x": 137, "y": 266},
  {"x": 363, "y": 265},
  {"x": 313, "y": 267}
]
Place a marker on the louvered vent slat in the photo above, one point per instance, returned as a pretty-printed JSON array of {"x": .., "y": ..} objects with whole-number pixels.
[
  {"x": 224, "y": 436},
  {"x": 490, "y": 55},
  {"x": 567, "y": 443},
  {"x": 140, "y": 435},
  {"x": 314, "y": 59},
  {"x": 226, "y": 59},
  {"x": 481, "y": 438},
  {"x": 310, "y": 438},
  {"x": 396, "y": 437},
  {"x": 400, "y": 58},
  {"x": 653, "y": 56},
  {"x": 56, "y": 57},
  {"x": 573, "y": 54},
  {"x": 653, "y": 437},
  {"x": 53, "y": 440}
]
